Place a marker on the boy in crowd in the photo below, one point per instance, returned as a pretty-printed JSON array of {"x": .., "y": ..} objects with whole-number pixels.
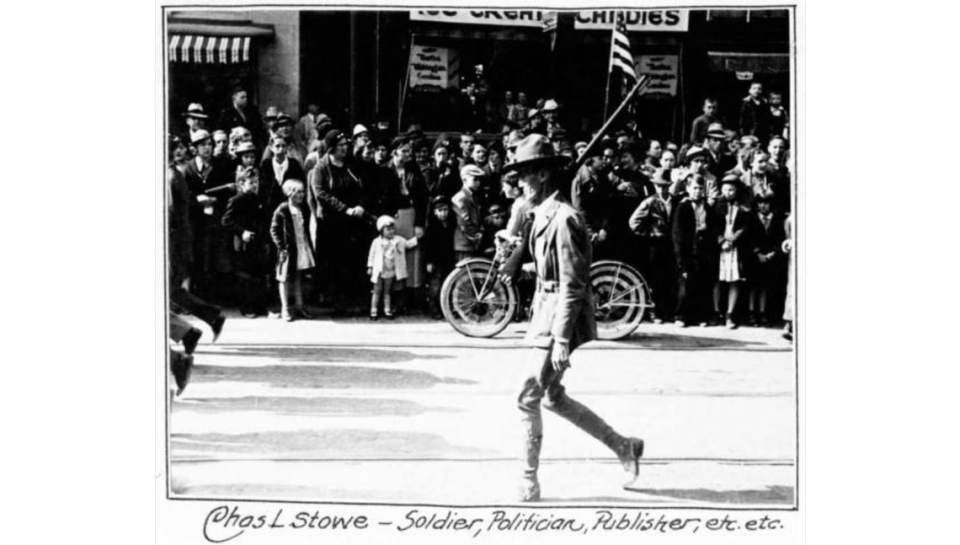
[
  {"x": 695, "y": 228},
  {"x": 779, "y": 123},
  {"x": 438, "y": 250},
  {"x": 245, "y": 219},
  {"x": 699, "y": 131},
  {"x": 755, "y": 114},
  {"x": 652, "y": 222},
  {"x": 766, "y": 266},
  {"x": 496, "y": 220},
  {"x": 466, "y": 206}
]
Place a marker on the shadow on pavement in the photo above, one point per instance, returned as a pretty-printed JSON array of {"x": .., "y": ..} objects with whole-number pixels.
[
  {"x": 777, "y": 495},
  {"x": 323, "y": 354},
  {"x": 309, "y": 406},
  {"x": 339, "y": 444},
  {"x": 661, "y": 341}
]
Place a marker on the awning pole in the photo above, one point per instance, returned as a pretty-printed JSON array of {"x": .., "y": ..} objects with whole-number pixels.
[{"x": 406, "y": 83}]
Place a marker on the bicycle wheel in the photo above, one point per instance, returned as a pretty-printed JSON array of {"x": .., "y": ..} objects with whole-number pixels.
[
  {"x": 470, "y": 308},
  {"x": 620, "y": 298}
]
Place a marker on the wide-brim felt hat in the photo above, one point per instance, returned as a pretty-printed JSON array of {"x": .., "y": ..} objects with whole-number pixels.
[
  {"x": 535, "y": 150},
  {"x": 271, "y": 113},
  {"x": 696, "y": 152},
  {"x": 661, "y": 177},
  {"x": 200, "y": 136},
  {"x": 195, "y": 110},
  {"x": 285, "y": 119},
  {"x": 471, "y": 170},
  {"x": 550, "y": 106},
  {"x": 245, "y": 147},
  {"x": 715, "y": 130}
]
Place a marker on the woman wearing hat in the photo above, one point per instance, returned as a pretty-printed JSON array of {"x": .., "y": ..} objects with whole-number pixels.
[
  {"x": 405, "y": 192},
  {"x": 343, "y": 201},
  {"x": 562, "y": 317},
  {"x": 441, "y": 178}
]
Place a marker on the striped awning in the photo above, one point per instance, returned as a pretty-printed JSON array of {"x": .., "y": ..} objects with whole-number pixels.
[{"x": 209, "y": 49}]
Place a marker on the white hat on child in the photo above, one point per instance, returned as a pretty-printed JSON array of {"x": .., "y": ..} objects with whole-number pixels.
[{"x": 384, "y": 221}]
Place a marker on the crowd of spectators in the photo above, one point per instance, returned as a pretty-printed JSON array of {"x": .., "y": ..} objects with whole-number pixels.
[{"x": 272, "y": 214}]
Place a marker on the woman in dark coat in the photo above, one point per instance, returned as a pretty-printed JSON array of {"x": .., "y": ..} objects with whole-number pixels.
[{"x": 405, "y": 194}]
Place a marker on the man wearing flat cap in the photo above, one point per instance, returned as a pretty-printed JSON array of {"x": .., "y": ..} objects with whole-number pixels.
[
  {"x": 468, "y": 211},
  {"x": 563, "y": 313}
]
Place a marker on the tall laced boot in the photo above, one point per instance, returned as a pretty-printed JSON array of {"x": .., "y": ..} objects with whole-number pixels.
[
  {"x": 628, "y": 449},
  {"x": 529, "y": 490}
]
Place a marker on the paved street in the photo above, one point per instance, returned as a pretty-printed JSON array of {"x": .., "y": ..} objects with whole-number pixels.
[{"x": 412, "y": 412}]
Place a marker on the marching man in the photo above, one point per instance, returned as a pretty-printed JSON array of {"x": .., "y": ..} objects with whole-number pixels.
[{"x": 563, "y": 313}]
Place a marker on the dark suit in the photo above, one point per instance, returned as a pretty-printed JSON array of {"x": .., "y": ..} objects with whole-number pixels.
[
  {"x": 246, "y": 213},
  {"x": 271, "y": 191},
  {"x": 210, "y": 245},
  {"x": 653, "y": 222},
  {"x": 466, "y": 238},
  {"x": 696, "y": 254}
]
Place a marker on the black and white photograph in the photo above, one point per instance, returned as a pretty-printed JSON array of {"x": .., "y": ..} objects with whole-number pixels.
[{"x": 470, "y": 265}]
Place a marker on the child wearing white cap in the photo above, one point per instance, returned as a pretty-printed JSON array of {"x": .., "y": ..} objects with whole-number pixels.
[{"x": 386, "y": 262}]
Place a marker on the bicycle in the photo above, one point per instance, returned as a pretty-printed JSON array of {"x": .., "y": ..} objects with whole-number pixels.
[{"x": 478, "y": 304}]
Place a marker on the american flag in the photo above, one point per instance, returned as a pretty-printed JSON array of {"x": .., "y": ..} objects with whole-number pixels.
[{"x": 620, "y": 56}]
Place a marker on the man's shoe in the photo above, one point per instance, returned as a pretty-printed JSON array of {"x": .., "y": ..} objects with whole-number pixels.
[
  {"x": 190, "y": 340},
  {"x": 731, "y": 324},
  {"x": 302, "y": 313},
  {"x": 217, "y": 327},
  {"x": 181, "y": 366},
  {"x": 630, "y": 454}
]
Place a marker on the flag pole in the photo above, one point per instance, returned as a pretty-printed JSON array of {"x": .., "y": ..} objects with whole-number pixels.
[
  {"x": 606, "y": 96},
  {"x": 642, "y": 82}
]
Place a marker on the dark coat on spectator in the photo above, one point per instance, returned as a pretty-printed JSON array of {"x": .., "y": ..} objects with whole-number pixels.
[
  {"x": 245, "y": 212},
  {"x": 442, "y": 182},
  {"x": 179, "y": 229},
  {"x": 411, "y": 191},
  {"x": 469, "y": 216},
  {"x": 696, "y": 252},
  {"x": 271, "y": 189},
  {"x": 755, "y": 118}
]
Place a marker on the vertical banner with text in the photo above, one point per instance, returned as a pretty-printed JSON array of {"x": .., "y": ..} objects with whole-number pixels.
[
  {"x": 429, "y": 67},
  {"x": 663, "y": 71}
]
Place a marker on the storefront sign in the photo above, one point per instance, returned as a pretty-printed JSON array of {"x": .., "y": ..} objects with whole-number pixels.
[
  {"x": 528, "y": 18},
  {"x": 647, "y": 20},
  {"x": 428, "y": 67},
  {"x": 663, "y": 71}
]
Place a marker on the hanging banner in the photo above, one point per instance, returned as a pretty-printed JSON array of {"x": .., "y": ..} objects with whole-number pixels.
[
  {"x": 645, "y": 20},
  {"x": 429, "y": 67},
  {"x": 663, "y": 71},
  {"x": 528, "y": 18}
]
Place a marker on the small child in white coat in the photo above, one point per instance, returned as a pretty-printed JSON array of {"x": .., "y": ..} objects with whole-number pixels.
[{"x": 386, "y": 262}]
